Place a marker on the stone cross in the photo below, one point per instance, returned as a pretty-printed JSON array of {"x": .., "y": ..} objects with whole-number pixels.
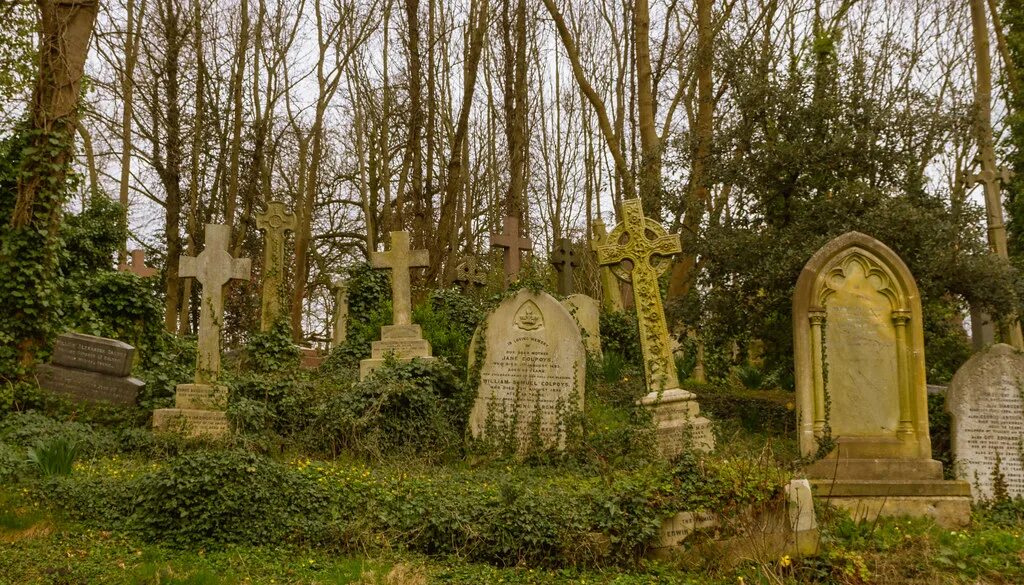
[
  {"x": 138, "y": 265},
  {"x": 564, "y": 260},
  {"x": 609, "y": 285},
  {"x": 469, "y": 273},
  {"x": 400, "y": 259},
  {"x": 340, "y": 288},
  {"x": 274, "y": 222},
  {"x": 213, "y": 268},
  {"x": 512, "y": 243},
  {"x": 643, "y": 243}
]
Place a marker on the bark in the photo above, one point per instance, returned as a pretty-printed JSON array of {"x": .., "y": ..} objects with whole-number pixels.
[
  {"x": 131, "y": 54},
  {"x": 237, "y": 79},
  {"x": 649, "y": 182},
  {"x": 415, "y": 145}
]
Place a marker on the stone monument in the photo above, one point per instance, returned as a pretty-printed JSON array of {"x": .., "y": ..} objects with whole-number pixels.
[
  {"x": 860, "y": 385},
  {"x": 587, "y": 312},
  {"x": 340, "y": 330},
  {"x": 986, "y": 401},
  {"x": 86, "y": 368},
  {"x": 612, "y": 293},
  {"x": 512, "y": 243},
  {"x": 138, "y": 265},
  {"x": 642, "y": 243},
  {"x": 532, "y": 370},
  {"x": 274, "y": 222},
  {"x": 401, "y": 338},
  {"x": 200, "y": 406},
  {"x": 564, "y": 259},
  {"x": 468, "y": 273}
]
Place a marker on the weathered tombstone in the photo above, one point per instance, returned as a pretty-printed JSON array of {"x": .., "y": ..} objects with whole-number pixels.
[
  {"x": 612, "y": 293},
  {"x": 512, "y": 243},
  {"x": 643, "y": 245},
  {"x": 532, "y": 370},
  {"x": 587, "y": 312},
  {"x": 564, "y": 259},
  {"x": 983, "y": 330},
  {"x": 200, "y": 406},
  {"x": 274, "y": 222},
  {"x": 138, "y": 265},
  {"x": 860, "y": 385},
  {"x": 468, "y": 273},
  {"x": 86, "y": 368},
  {"x": 986, "y": 401},
  {"x": 340, "y": 330},
  {"x": 401, "y": 338}
]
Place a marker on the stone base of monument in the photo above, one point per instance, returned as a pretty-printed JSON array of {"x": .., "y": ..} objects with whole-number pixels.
[
  {"x": 782, "y": 527},
  {"x": 84, "y": 386},
  {"x": 869, "y": 488},
  {"x": 198, "y": 411},
  {"x": 405, "y": 342},
  {"x": 678, "y": 424}
]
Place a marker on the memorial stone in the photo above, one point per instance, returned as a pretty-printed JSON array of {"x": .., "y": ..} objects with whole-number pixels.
[
  {"x": 275, "y": 221},
  {"x": 986, "y": 401},
  {"x": 564, "y": 259},
  {"x": 468, "y": 273},
  {"x": 860, "y": 385},
  {"x": 340, "y": 330},
  {"x": 612, "y": 293},
  {"x": 87, "y": 368},
  {"x": 512, "y": 243},
  {"x": 532, "y": 370},
  {"x": 402, "y": 338},
  {"x": 199, "y": 407},
  {"x": 587, "y": 312},
  {"x": 138, "y": 265}
]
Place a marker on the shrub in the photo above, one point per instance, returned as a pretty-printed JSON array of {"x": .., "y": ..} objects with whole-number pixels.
[
  {"x": 751, "y": 377},
  {"x": 620, "y": 334},
  {"x": 54, "y": 456},
  {"x": 449, "y": 318}
]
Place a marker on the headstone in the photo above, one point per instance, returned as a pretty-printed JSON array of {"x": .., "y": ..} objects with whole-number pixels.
[
  {"x": 310, "y": 358},
  {"x": 610, "y": 290},
  {"x": 340, "y": 330},
  {"x": 199, "y": 407},
  {"x": 638, "y": 251},
  {"x": 860, "y": 385},
  {"x": 468, "y": 272},
  {"x": 986, "y": 401},
  {"x": 512, "y": 244},
  {"x": 532, "y": 370},
  {"x": 983, "y": 330},
  {"x": 587, "y": 312},
  {"x": 138, "y": 265},
  {"x": 402, "y": 339},
  {"x": 564, "y": 259},
  {"x": 86, "y": 368},
  {"x": 274, "y": 222}
]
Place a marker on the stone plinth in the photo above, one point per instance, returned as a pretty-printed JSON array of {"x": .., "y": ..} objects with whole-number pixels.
[
  {"x": 532, "y": 370},
  {"x": 587, "y": 312},
  {"x": 85, "y": 386},
  {"x": 405, "y": 342},
  {"x": 678, "y": 424},
  {"x": 199, "y": 411},
  {"x": 986, "y": 401}
]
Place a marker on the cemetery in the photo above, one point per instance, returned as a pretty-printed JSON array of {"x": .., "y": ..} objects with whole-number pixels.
[{"x": 642, "y": 296}]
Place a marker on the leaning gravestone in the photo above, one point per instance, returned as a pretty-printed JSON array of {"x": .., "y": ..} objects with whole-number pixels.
[
  {"x": 587, "y": 312},
  {"x": 532, "y": 369},
  {"x": 86, "y": 368},
  {"x": 986, "y": 400},
  {"x": 860, "y": 385}
]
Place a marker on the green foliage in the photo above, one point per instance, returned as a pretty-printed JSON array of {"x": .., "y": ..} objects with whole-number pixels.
[
  {"x": 168, "y": 363},
  {"x": 759, "y": 411},
  {"x": 272, "y": 350},
  {"x": 449, "y": 318},
  {"x": 54, "y": 456},
  {"x": 751, "y": 377},
  {"x": 369, "y": 308},
  {"x": 939, "y": 430},
  {"x": 620, "y": 334}
]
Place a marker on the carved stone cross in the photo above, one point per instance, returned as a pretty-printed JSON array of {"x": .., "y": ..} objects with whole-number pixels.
[
  {"x": 400, "y": 259},
  {"x": 138, "y": 265},
  {"x": 274, "y": 222},
  {"x": 565, "y": 261},
  {"x": 512, "y": 243},
  {"x": 213, "y": 268},
  {"x": 340, "y": 288},
  {"x": 609, "y": 285},
  {"x": 637, "y": 251},
  {"x": 469, "y": 273}
]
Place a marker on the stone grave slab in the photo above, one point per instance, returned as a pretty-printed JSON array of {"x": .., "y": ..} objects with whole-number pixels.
[
  {"x": 85, "y": 386},
  {"x": 93, "y": 354},
  {"x": 587, "y": 312},
  {"x": 532, "y": 371},
  {"x": 986, "y": 401}
]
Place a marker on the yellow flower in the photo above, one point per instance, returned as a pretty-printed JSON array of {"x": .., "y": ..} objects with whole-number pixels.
[{"x": 785, "y": 561}]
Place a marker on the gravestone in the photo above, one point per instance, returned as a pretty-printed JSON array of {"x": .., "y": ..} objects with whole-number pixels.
[
  {"x": 339, "y": 331},
  {"x": 860, "y": 385},
  {"x": 138, "y": 265},
  {"x": 983, "y": 330},
  {"x": 587, "y": 312},
  {"x": 86, "y": 368},
  {"x": 532, "y": 370},
  {"x": 986, "y": 401},
  {"x": 274, "y": 222},
  {"x": 638, "y": 251},
  {"x": 610, "y": 290},
  {"x": 468, "y": 273},
  {"x": 199, "y": 407},
  {"x": 564, "y": 259},
  {"x": 512, "y": 244},
  {"x": 402, "y": 338}
]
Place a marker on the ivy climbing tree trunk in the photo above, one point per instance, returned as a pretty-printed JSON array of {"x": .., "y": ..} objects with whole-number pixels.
[{"x": 65, "y": 28}]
